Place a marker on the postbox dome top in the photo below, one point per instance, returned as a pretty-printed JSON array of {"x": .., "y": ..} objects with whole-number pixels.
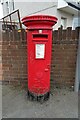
[{"x": 39, "y": 20}]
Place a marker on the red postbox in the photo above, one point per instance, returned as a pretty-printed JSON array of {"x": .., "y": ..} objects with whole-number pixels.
[{"x": 39, "y": 42}]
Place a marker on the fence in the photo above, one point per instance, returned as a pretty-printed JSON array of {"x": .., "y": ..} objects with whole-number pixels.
[{"x": 64, "y": 52}]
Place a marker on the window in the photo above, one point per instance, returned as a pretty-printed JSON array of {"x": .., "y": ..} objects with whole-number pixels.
[
  {"x": 7, "y": 7},
  {"x": 2, "y": 5},
  {"x": 63, "y": 22},
  {"x": 13, "y": 4}
]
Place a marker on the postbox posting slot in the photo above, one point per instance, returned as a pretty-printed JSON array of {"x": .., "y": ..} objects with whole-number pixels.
[
  {"x": 39, "y": 51},
  {"x": 38, "y": 36}
]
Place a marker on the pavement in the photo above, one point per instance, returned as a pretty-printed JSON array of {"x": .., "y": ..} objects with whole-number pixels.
[
  {"x": 63, "y": 103},
  {"x": 0, "y": 101}
]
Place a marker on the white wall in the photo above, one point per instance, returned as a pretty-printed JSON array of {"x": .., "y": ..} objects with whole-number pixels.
[
  {"x": 65, "y": 15},
  {"x": 50, "y": 8},
  {"x": 29, "y": 8},
  {"x": 62, "y": 3},
  {"x": 1, "y": 11}
]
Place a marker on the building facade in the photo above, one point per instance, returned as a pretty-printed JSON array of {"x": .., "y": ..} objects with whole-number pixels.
[{"x": 65, "y": 11}]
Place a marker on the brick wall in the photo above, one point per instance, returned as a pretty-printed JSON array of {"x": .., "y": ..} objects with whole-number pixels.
[
  {"x": 64, "y": 51},
  {"x": 14, "y": 57},
  {"x": 0, "y": 60},
  {"x": 0, "y": 51},
  {"x": 65, "y": 43}
]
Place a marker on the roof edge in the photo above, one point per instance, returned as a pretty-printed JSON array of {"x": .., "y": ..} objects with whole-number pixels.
[{"x": 72, "y": 5}]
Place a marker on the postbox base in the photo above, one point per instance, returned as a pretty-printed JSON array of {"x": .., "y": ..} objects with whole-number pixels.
[{"x": 42, "y": 97}]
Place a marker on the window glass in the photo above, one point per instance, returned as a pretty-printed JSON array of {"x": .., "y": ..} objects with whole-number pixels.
[{"x": 63, "y": 22}]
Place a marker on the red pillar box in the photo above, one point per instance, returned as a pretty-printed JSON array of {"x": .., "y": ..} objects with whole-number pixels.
[{"x": 39, "y": 42}]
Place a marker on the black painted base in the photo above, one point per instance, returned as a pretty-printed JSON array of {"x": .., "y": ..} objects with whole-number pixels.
[{"x": 40, "y": 98}]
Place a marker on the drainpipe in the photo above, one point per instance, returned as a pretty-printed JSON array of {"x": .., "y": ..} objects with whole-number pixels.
[{"x": 77, "y": 76}]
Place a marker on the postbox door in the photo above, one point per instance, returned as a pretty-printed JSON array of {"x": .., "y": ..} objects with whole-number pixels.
[{"x": 39, "y": 61}]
